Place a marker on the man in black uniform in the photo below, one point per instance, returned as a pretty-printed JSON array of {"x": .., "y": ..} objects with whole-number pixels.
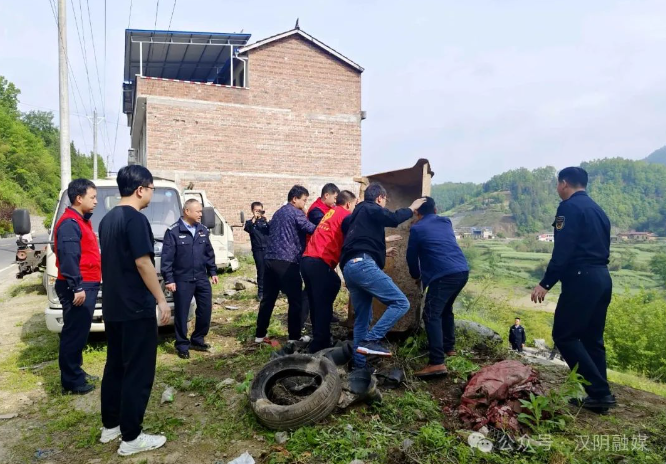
[
  {"x": 517, "y": 336},
  {"x": 257, "y": 227},
  {"x": 187, "y": 261},
  {"x": 580, "y": 262}
]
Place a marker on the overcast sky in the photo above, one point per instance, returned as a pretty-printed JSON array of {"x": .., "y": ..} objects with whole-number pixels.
[{"x": 477, "y": 87}]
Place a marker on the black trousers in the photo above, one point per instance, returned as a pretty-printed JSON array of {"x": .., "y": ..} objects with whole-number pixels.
[
  {"x": 75, "y": 330},
  {"x": 322, "y": 285},
  {"x": 580, "y": 320},
  {"x": 517, "y": 347},
  {"x": 438, "y": 314},
  {"x": 128, "y": 374},
  {"x": 260, "y": 264},
  {"x": 286, "y": 277},
  {"x": 203, "y": 295}
]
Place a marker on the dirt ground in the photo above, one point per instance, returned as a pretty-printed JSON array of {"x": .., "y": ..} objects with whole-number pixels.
[{"x": 208, "y": 421}]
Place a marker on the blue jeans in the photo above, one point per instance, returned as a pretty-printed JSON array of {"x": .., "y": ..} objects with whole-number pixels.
[
  {"x": 438, "y": 314},
  {"x": 364, "y": 281}
]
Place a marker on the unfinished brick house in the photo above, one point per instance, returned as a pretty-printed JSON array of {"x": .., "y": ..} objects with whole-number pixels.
[{"x": 244, "y": 122}]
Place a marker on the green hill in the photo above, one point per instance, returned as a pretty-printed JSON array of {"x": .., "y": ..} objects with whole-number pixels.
[
  {"x": 657, "y": 156},
  {"x": 520, "y": 201},
  {"x": 30, "y": 158}
]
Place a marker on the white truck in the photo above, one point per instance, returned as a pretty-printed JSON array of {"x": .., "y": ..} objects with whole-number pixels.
[{"x": 165, "y": 208}]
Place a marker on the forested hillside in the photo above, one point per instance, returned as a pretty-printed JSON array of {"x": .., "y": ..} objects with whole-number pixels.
[
  {"x": 657, "y": 156},
  {"x": 30, "y": 158},
  {"x": 633, "y": 194}
]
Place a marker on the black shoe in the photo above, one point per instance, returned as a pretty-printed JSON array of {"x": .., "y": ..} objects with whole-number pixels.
[
  {"x": 598, "y": 405},
  {"x": 197, "y": 347},
  {"x": 80, "y": 390},
  {"x": 91, "y": 378},
  {"x": 184, "y": 354}
]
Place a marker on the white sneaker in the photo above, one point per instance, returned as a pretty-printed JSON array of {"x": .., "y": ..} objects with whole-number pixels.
[
  {"x": 304, "y": 339},
  {"x": 143, "y": 442},
  {"x": 109, "y": 434}
]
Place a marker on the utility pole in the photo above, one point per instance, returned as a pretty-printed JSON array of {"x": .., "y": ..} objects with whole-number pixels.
[
  {"x": 65, "y": 158},
  {"x": 95, "y": 121}
]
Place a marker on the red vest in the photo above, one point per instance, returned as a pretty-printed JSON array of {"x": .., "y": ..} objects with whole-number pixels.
[
  {"x": 321, "y": 206},
  {"x": 91, "y": 262},
  {"x": 326, "y": 242}
]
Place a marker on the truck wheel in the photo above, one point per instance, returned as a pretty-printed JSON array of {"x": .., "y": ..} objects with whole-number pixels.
[{"x": 318, "y": 373}]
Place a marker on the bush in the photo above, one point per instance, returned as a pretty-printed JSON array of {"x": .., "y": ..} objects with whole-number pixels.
[
  {"x": 532, "y": 245},
  {"x": 636, "y": 333}
]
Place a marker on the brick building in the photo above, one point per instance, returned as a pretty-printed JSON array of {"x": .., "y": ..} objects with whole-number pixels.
[{"x": 244, "y": 122}]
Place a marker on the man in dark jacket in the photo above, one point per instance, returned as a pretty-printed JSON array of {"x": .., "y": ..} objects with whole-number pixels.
[
  {"x": 434, "y": 257},
  {"x": 580, "y": 262},
  {"x": 79, "y": 275},
  {"x": 517, "y": 336},
  {"x": 286, "y": 244},
  {"x": 188, "y": 259},
  {"x": 257, "y": 227},
  {"x": 362, "y": 260}
]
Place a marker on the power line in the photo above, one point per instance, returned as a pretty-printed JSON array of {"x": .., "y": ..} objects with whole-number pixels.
[
  {"x": 129, "y": 20},
  {"x": 92, "y": 35},
  {"x": 156, "y": 11},
  {"x": 172, "y": 10},
  {"x": 83, "y": 53}
]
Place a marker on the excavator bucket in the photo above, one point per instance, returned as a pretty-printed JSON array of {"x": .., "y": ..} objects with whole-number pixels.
[{"x": 402, "y": 187}]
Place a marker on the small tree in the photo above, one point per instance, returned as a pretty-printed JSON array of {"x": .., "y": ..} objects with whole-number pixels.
[{"x": 658, "y": 266}]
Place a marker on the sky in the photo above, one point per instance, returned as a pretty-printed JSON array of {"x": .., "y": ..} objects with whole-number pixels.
[{"x": 477, "y": 87}]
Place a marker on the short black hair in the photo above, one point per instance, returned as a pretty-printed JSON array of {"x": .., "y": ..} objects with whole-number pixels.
[
  {"x": 131, "y": 178},
  {"x": 79, "y": 187},
  {"x": 518, "y": 318},
  {"x": 256, "y": 203},
  {"x": 297, "y": 191},
  {"x": 345, "y": 197},
  {"x": 576, "y": 177},
  {"x": 329, "y": 188},
  {"x": 374, "y": 191},
  {"x": 428, "y": 207}
]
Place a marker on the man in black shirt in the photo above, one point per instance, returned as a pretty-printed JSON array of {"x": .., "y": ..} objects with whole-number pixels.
[
  {"x": 580, "y": 262},
  {"x": 130, "y": 290},
  {"x": 257, "y": 227},
  {"x": 363, "y": 258}
]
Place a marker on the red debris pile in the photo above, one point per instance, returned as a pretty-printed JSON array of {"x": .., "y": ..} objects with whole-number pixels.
[{"x": 492, "y": 395}]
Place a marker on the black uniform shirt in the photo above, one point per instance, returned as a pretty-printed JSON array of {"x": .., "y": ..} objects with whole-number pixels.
[
  {"x": 582, "y": 238},
  {"x": 186, "y": 258},
  {"x": 258, "y": 231}
]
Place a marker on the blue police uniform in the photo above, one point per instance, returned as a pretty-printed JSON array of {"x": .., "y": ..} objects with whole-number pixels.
[
  {"x": 188, "y": 260},
  {"x": 580, "y": 262}
]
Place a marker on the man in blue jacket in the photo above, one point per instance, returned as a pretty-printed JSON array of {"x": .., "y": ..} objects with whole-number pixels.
[
  {"x": 188, "y": 259},
  {"x": 434, "y": 257}
]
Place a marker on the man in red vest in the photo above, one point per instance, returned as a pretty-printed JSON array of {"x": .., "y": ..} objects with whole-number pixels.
[
  {"x": 317, "y": 210},
  {"x": 79, "y": 275},
  {"x": 320, "y": 259}
]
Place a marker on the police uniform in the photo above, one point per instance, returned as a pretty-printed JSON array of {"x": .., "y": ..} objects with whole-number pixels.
[
  {"x": 517, "y": 337},
  {"x": 580, "y": 262},
  {"x": 188, "y": 260}
]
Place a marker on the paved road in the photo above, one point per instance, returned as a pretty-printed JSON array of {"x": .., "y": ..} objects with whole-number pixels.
[{"x": 8, "y": 254}]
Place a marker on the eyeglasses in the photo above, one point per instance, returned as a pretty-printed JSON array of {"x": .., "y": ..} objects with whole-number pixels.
[{"x": 146, "y": 187}]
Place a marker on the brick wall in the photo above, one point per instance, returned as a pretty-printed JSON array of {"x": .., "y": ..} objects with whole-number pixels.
[{"x": 297, "y": 122}]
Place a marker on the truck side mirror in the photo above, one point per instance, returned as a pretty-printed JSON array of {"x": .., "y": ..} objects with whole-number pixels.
[
  {"x": 208, "y": 217},
  {"x": 242, "y": 217},
  {"x": 21, "y": 221}
]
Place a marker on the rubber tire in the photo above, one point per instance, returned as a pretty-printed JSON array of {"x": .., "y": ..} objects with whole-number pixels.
[{"x": 312, "y": 409}]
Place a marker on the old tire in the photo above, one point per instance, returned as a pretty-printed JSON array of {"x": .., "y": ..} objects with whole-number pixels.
[{"x": 312, "y": 408}]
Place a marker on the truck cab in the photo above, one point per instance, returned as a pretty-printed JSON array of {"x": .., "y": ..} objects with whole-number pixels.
[{"x": 165, "y": 208}]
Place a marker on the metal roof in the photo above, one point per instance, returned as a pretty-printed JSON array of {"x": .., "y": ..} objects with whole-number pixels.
[
  {"x": 307, "y": 37},
  {"x": 190, "y": 56}
]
